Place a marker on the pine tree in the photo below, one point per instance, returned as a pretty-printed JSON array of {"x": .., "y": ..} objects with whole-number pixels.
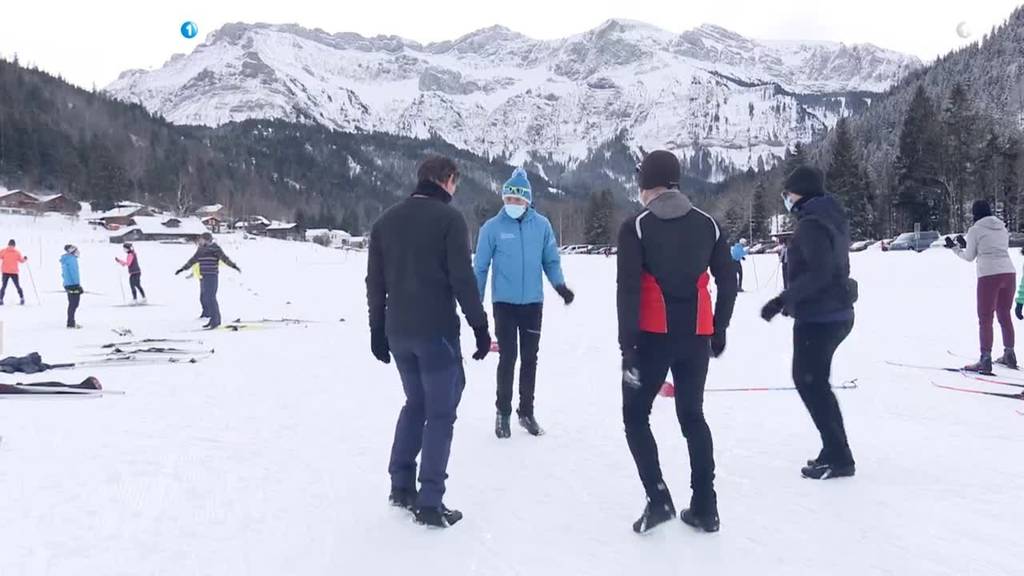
[
  {"x": 921, "y": 192},
  {"x": 759, "y": 213},
  {"x": 600, "y": 211},
  {"x": 795, "y": 157},
  {"x": 847, "y": 181},
  {"x": 734, "y": 223},
  {"x": 1009, "y": 184},
  {"x": 961, "y": 141}
]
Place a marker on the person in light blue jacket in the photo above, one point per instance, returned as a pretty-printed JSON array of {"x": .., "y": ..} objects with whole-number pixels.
[
  {"x": 739, "y": 254},
  {"x": 520, "y": 244},
  {"x": 72, "y": 281}
]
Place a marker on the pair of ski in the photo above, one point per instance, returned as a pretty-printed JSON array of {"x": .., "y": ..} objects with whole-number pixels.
[
  {"x": 90, "y": 387},
  {"x": 980, "y": 377},
  {"x": 152, "y": 350}
]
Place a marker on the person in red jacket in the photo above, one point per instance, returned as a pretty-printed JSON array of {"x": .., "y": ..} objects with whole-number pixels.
[
  {"x": 131, "y": 261},
  {"x": 10, "y": 261},
  {"x": 667, "y": 322}
]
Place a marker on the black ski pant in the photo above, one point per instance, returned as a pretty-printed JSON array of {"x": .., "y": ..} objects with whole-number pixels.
[
  {"x": 17, "y": 284},
  {"x": 74, "y": 299},
  {"x": 208, "y": 296},
  {"x": 814, "y": 346},
  {"x": 135, "y": 281},
  {"x": 433, "y": 380},
  {"x": 517, "y": 327},
  {"x": 687, "y": 358},
  {"x": 739, "y": 274}
]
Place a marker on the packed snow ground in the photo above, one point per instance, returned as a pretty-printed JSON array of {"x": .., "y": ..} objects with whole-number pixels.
[{"x": 271, "y": 457}]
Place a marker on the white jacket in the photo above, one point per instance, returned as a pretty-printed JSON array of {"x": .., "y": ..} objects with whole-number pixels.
[{"x": 988, "y": 242}]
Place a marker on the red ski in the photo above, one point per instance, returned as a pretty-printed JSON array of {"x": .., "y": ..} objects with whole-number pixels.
[{"x": 985, "y": 392}]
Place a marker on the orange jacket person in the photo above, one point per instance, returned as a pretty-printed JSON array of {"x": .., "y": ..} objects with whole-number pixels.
[{"x": 11, "y": 259}]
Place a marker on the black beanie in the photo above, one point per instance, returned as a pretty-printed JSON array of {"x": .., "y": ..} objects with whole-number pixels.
[
  {"x": 659, "y": 169},
  {"x": 805, "y": 181},
  {"x": 981, "y": 209}
]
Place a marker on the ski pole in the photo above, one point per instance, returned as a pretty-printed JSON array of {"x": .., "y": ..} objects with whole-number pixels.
[
  {"x": 757, "y": 282},
  {"x": 120, "y": 284},
  {"x": 33, "y": 281}
]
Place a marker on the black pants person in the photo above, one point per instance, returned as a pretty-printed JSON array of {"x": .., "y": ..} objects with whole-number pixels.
[
  {"x": 433, "y": 380},
  {"x": 517, "y": 328},
  {"x": 17, "y": 284},
  {"x": 814, "y": 346},
  {"x": 739, "y": 274},
  {"x": 135, "y": 281},
  {"x": 687, "y": 358},
  {"x": 74, "y": 299},
  {"x": 208, "y": 295}
]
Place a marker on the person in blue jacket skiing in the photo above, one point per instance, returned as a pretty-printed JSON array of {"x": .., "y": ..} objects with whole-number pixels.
[
  {"x": 521, "y": 245},
  {"x": 739, "y": 254}
]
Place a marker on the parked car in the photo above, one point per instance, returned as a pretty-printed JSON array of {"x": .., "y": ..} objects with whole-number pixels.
[
  {"x": 918, "y": 242},
  {"x": 862, "y": 245},
  {"x": 1016, "y": 239},
  {"x": 574, "y": 249}
]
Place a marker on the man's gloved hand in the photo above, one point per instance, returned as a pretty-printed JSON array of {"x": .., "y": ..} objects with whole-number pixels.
[
  {"x": 961, "y": 241},
  {"x": 717, "y": 343},
  {"x": 567, "y": 295},
  {"x": 950, "y": 243},
  {"x": 379, "y": 346},
  {"x": 179, "y": 271},
  {"x": 483, "y": 343},
  {"x": 1019, "y": 311},
  {"x": 772, "y": 309}
]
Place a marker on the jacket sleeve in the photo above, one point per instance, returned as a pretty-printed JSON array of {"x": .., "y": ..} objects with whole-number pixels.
[
  {"x": 971, "y": 252},
  {"x": 815, "y": 245},
  {"x": 723, "y": 268},
  {"x": 629, "y": 270},
  {"x": 552, "y": 260},
  {"x": 482, "y": 259},
  {"x": 1020, "y": 291},
  {"x": 376, "y": 284},
  {"x": 194, "y": 260},
  {"x": 224, "y": 258},
  {"x": 460, "y": 273}
]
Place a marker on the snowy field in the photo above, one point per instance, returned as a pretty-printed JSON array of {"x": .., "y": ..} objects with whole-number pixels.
[{"x": 270, "y": 458}]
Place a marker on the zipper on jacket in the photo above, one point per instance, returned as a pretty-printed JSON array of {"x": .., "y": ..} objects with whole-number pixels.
[{"x": 522, "y": 261}]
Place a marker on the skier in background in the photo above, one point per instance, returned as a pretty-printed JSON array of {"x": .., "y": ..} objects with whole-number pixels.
[
  {"x": 739, "y": 254},
  {"x": 666, "y": 323},
  {"x": 209, "y": 255},
  {"x": 72, "y": 282},
  {"x": 419, "y": 267},
  {"x": 988, "y": 243},
  {"x": 521, "y": 244},
  {"x": 820, "y": 299},
  {"x": 131, "y": 261},
  {"x": 11, "y": 260}
]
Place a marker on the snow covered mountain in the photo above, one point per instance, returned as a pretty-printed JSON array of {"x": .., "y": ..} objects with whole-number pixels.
[{"x": 719, "y": 99}]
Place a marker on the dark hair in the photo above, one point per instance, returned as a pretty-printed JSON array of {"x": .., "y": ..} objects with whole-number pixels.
[
  {"x": 207, "y": 236},
  {"x": 11, "y": 243},
  {"x": 437, "y": 169}
]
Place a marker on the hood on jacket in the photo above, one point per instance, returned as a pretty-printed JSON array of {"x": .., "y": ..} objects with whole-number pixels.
[
  {"x": 670, "y": 204},
  {"x": 991, "y": 223}
]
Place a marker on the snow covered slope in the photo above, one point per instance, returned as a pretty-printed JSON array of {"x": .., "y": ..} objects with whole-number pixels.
[
  {"x": 497, "y": 92},
  {"x": 271, "y": 457}
]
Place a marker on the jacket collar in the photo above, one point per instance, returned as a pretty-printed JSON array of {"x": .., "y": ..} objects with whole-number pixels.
[{"x": 428, "y": 189}]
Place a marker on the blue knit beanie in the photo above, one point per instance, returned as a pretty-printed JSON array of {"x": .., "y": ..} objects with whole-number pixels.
[{"x": 518, "y": 185}]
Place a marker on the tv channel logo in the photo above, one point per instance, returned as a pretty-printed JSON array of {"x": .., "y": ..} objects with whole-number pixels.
[{"x": 189, "y": 29}]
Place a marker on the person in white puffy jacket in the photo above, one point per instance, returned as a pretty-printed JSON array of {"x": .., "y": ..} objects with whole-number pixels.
[{"x": 988, "y": 245}]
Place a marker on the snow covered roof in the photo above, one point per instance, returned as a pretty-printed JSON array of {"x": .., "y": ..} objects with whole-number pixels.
[
  {"x": 120, "y": 212},
  {"x": 281, "y": 226},
  {"x": 43, "y": 198},
  {"x": 5, "y": 192},
  {"x": 314, "y": 232},
  {"x": 166, "y": 225},
  {"x": 211, "y": 209}
]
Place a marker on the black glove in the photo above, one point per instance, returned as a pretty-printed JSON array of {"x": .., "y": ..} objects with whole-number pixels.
[
  {"x": 237, "y": 269},
  {"x": 772, "y": 309},
  {"x": 565, "y": 293},
  {"x": 379, "y": 346},
  {"x": 961, "y": 241},
  {"x": 1019, "y": 311},
  {"x": 950, "y": 243},
  {"x": 630, "y": 373},
  {"x": 717, "y": 343},
  {"x": 179, "y": 271},
  {"x": 483, "y": 343}
]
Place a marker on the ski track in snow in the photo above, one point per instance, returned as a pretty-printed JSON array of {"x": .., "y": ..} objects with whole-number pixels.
[{"x": 271, "y": 457}]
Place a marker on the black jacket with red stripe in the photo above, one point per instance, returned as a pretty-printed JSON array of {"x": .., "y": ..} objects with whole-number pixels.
[{"x": 665, "y": 253}]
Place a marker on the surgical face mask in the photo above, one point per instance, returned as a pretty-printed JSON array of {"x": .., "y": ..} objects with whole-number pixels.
[
  {"x": 515, "y": 211},
  {"x": 788, "y": 202}
]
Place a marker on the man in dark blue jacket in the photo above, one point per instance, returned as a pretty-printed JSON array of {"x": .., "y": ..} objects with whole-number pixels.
[
  {"x": 419, "y": 267},
  {"x": 820, "y": 299},
  {"x": 521, "y": 244}
]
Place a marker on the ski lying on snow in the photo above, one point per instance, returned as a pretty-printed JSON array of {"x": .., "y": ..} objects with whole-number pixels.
[
  {"x": 59, "y": 390},
  {"x": 132, "y": 361},
  {"x": 668, "y": 388},
  {"x": 144, "y": 341},
  {"x": 152, "y": 352},
  {"x": 1008, "y": 395}
]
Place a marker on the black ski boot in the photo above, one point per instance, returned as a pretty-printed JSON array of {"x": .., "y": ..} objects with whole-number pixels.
[
  {"x": 211, "y": 325},
  {"x": 1008, "y": 359},
  {"x": 502, "y": 426},
  {"x": 826, "y": 471},
  {"x": 707, "y": 521},
  {"x": 403, "y": 498},
  {"x": 982, "y": 366},
  {"x": 437, "y": 517},
  {"x": 656, "y": 512},
  {"x": 529, "y": 423}
]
